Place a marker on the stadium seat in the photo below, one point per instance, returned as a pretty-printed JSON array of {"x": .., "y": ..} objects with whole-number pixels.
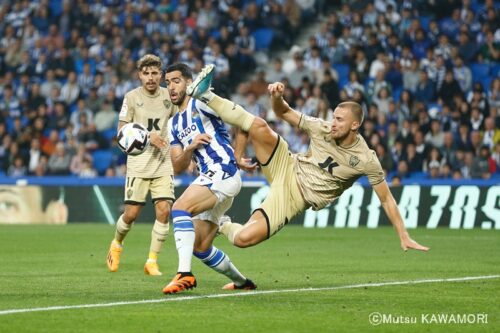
[
  {"x": 108, "y": 134},
  {"x": 495, "y": 71},
  {"x": 102, "y": 160},
  {"x": 343, "y": 71},
  {"x": 479, "y": 71},
  {"x": 424, "y": 22},
  {"x": 485, "y": 81},
  {"x": 263, "y": 38}
]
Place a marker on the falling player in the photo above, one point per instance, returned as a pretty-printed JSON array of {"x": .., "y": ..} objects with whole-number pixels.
[
  {"x": 197, "y": 133},
  {"x": 151, "y": 171},
  {"x": 338, "y": 155}
]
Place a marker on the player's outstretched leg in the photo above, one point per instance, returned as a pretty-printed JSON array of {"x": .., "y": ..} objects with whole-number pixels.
[
  {"x": 230, "y": 112},
  {"x": 202, "y": 83},
  {"x": 255, "y": 231}
]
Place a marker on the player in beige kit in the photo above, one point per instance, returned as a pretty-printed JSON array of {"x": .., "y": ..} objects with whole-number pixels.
[
  {"x": 149, "y": 105},
  {"x": 337, "y": 156}
]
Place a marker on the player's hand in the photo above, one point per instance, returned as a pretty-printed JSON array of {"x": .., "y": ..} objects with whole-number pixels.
[
  {"x": 157, "y": 140},
  {"x": 276, "y": 89},
  {"x": 408, "y": 243},
  {"x": 200, "y": 140},
  {"x": 246, "y": 164}
]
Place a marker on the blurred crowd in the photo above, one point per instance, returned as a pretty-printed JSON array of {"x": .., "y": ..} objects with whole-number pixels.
[
  {"x": 66, "y": 65},
  {"x": 426, "y": 73}
]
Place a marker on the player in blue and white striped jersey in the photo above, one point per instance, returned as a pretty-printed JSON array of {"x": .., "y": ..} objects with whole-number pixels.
[{"x": 197, "y": 133}]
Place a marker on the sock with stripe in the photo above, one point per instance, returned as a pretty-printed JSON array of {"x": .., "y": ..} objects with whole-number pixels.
[
  {"x": 122, "y": 230},
  {"x": 231, "y": 112},
  {"x": 220, "y": 262},
  {"x": 184, "y": 238},
  {"x": 158, "y": 236}
]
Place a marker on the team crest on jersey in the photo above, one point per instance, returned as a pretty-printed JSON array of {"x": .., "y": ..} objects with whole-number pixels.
[
  {"x": 353, "y": 161},
  {"x": 140, "y": 104},
  {"x": 167, "y": 103}
]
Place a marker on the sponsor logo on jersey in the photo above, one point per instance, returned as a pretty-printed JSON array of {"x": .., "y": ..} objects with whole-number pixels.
[{"x": 188, "y": 131}]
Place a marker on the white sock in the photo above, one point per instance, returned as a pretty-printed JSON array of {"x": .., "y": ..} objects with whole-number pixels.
[
  {"x": 220, "y": 262},
  {"x": 184, "y": 238}
]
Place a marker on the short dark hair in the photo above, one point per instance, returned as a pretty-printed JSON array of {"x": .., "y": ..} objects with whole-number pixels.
[{"x": 186, "y": 72}]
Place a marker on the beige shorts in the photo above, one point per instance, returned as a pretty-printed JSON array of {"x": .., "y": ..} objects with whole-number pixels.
[
  {"x": 136, "y": 189},
  {"x": 284, "y": 200}
]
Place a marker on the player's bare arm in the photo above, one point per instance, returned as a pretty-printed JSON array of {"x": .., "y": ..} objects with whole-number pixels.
[
  {"x": 280, "y": 106},
  {"x": 391, "y": 209},
  {"x": 181, "y": 158},
  {"x": 240, "y": 145}
]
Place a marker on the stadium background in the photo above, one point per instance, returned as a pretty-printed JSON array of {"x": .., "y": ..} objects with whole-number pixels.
[
  {"x": 57, "y": 145},
  {"x": 426, "y": 74}
]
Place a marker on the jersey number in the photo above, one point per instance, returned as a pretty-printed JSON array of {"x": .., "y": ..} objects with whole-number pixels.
[
  {"x": 153, "y": 124},
  {"x": 328, "y": 164}
]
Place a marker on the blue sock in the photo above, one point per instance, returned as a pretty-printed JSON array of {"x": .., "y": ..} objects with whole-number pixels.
[{"x": 220, "y": 262}]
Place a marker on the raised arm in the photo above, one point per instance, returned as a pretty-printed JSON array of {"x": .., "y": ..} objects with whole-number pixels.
[
  {"x": 280, "y": 106},
  {"x": 392, "y": 211}
]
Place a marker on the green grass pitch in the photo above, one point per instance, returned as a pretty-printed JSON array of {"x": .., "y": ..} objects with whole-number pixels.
[{"x": 46, "y": 266}]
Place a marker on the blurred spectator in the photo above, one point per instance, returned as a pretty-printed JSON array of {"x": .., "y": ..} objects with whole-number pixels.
[
  {"x": 106, "y": 118},
  {"x": 59, "y": 162},
  {"x": 483, "y": 165},
  {"x": 17, "y": 169},
  {"x": 79, "y": 159},
  {"x": 35, "y": 155},
  {"x": 462, "y": 74},
  {"x": 70, "y": 91}
]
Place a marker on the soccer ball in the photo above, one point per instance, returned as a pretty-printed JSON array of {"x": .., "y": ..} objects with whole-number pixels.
[{"x": 133, "y": 139}]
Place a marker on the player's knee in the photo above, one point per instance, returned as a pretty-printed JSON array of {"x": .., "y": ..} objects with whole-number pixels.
[
  {"x": 130, "y": 215},
  {"x": 259, "y": 125},
  {"x": 162, "y": 211},
  {"x": 180, "y": 205}
]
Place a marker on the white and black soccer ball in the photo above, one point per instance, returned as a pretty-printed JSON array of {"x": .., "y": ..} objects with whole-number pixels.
[{"x": 133, "y": 139}]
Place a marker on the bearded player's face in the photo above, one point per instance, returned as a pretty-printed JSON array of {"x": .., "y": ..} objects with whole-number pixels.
[
  {"x": 150, "y": 78},
  {"x": 176, "y": 85},
  {"x": 341, "y": 124}
]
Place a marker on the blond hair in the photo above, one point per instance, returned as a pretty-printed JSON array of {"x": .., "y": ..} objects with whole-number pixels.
[{"x": 149, "y": 60}]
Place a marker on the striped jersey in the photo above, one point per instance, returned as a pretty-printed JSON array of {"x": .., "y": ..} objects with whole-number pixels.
[
  {"x": 196, "y": 119},
  {"x": 153, "y": 112}
]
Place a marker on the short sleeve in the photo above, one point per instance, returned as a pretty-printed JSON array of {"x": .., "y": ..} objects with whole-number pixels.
[
  {"x": 172, "y": 137},
  {"x": 126, "y": 112},
  {"x": 309, "y": 124},
  {"x": 373, "y": 170}
]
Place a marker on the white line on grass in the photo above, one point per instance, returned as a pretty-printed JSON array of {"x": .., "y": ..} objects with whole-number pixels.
[{"x": 247, "y": 293}]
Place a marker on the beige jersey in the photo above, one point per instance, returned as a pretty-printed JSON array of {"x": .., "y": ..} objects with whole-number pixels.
[
  {"x": 153, "y": 112},
  {"x": 327, "y": 170}
]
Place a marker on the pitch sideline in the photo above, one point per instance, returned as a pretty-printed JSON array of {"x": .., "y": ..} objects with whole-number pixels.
[{"x": 248, "y": 293}]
